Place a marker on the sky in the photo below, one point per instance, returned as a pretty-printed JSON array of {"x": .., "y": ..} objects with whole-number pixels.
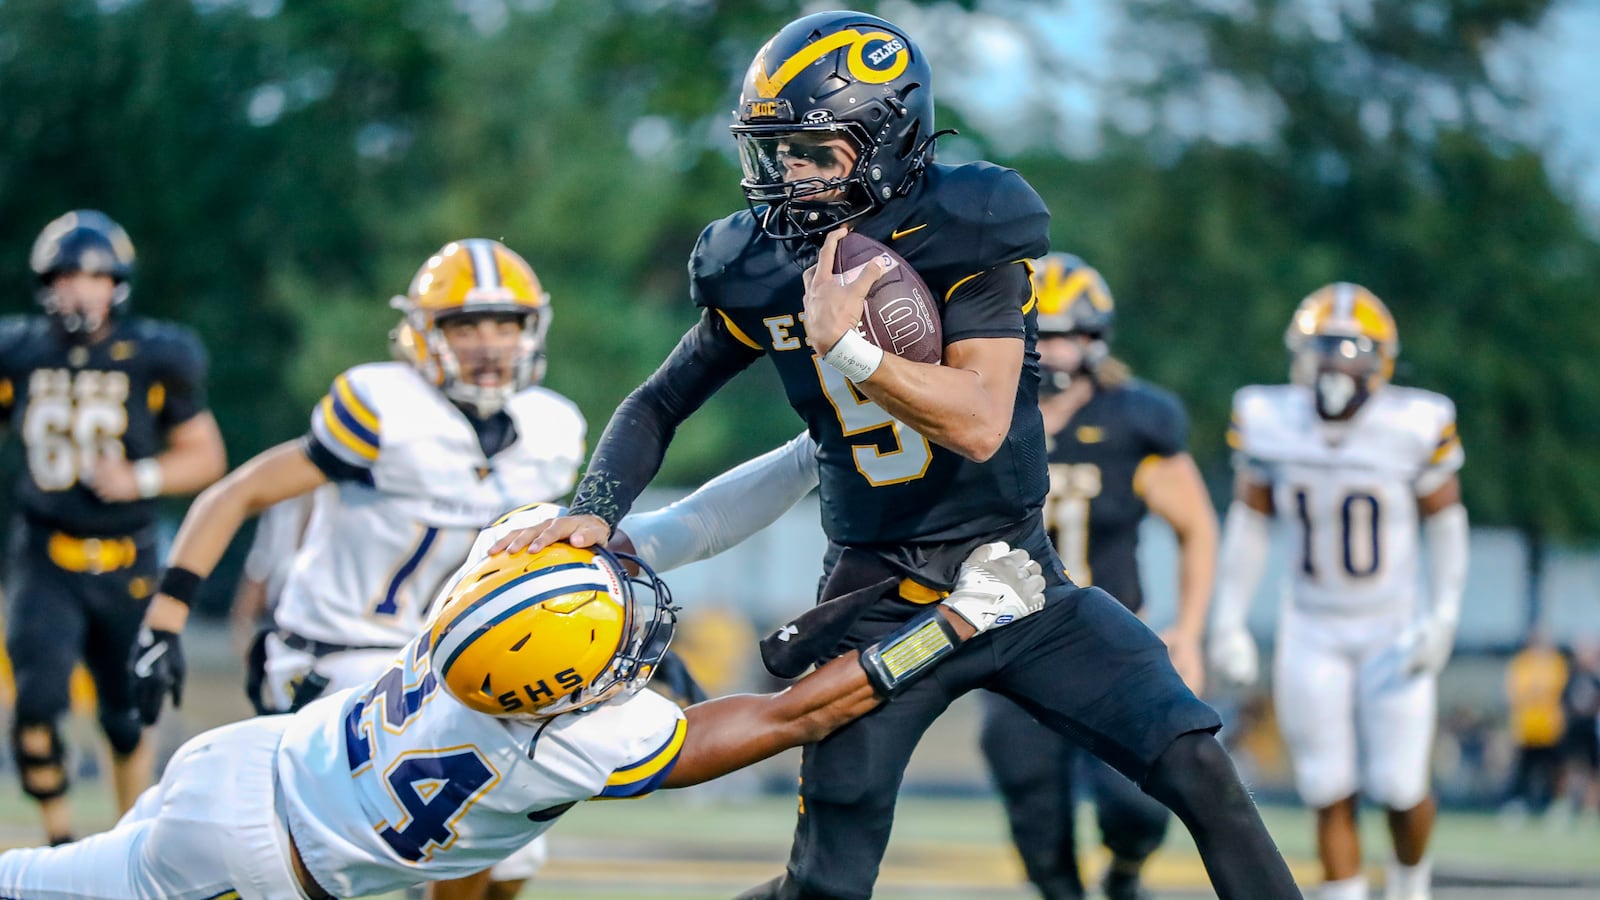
[{"x": 1555, "y": 66}]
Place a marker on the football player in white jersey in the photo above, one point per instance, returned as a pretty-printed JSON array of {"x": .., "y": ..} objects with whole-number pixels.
[
  {"x": 1356, "y": 464},
  {"x": 519, "y": 699},
  {"x": 422, "y": 452}
]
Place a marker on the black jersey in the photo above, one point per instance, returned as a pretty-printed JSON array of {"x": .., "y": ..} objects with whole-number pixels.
[
  {"x": 1094, "y": 509},
  {"x": 967, "y": 230},
  {"x": 72, "y": 404}
]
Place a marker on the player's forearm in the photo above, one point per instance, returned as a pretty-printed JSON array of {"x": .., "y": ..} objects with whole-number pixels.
[
  {"x": 727, "y": 509},
  {"x": 957, "y": 408},
  {"x": 1447, "y": 535},
  {"x": 635, "y": 441},
  {"x": 1246, "y": 542},
  {"x": 194, "y": 458},
  {"x": 729, "y": 733}
]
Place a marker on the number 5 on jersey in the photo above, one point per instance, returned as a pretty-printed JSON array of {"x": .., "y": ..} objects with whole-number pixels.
[{"x": 909, "y": 459}]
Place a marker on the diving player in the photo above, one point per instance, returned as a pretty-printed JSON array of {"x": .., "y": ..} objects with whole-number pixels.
[
  {"x": 1356, "y": 464},
  {"x": 520, "y": 699},
  {"x": 422, "y": 452}
]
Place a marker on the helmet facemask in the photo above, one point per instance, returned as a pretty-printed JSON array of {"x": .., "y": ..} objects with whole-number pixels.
[
  {"x": 517, "y": 367},
  {"x": 1343, "y": 371}
]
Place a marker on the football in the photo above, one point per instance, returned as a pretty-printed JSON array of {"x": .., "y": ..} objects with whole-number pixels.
[{"x": 901, "y": 315}]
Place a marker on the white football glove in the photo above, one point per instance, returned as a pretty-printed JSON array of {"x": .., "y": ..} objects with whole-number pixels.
[
  {"x": 997, "y": 585},
  {"x": 1425, "y": 646},
  {"x": 1234, "y": 658}
]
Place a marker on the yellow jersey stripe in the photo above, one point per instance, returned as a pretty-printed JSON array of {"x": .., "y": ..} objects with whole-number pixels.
[
  {"x": 352, "y": 403},
  {"x": 1141, "y": 472},
  {"x": 736, "y": 332},
  {"x": 1446, "y": 446},
  {"x": 343, "y": 435},
  {"x": 646, "y": 768}
]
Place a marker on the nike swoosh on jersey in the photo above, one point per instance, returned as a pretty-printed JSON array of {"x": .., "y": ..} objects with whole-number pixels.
[{"x": 898, "y": 233}]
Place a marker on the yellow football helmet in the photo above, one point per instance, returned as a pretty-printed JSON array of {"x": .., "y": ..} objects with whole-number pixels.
[
  {"x": 476, "y": 276},
  {"x": 541, "y": 634},
  {"x": 1073, "y": 298},
  {"x": 1344, "y": 343}
]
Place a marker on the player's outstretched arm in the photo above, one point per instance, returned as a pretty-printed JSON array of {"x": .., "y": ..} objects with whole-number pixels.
[
  {"x": 997, "y": 585},
  {"x": 156, "y": 667},
  {"x": 276, "y": 474}
]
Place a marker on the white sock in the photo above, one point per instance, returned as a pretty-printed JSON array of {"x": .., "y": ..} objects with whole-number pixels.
[
  {"x": 1344, "y": 889},
  {"x": 1403, "y": 882}
]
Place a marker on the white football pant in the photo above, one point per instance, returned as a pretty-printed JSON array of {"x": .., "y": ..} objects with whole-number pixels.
[
  {"x": 1352, "y": 723},
  {"x": 207, "y": 830}
]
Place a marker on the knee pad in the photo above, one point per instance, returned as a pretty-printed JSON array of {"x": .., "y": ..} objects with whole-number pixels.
[
  {"x": 122, "y": 730},
  {"x": 41, "y": 759}
]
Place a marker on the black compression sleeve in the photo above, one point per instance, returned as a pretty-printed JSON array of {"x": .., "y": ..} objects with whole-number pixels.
[{"x": 635, "y": 440}]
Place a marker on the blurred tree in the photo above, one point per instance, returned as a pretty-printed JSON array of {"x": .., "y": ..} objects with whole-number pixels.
[{"x": 1259, "y": 149}]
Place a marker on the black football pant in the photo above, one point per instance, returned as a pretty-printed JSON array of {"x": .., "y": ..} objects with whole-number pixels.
[
  {"x": 54, "y": 618},
  {"x": 1088, "y": 669},
  {"x": 1041, "y": 789}
]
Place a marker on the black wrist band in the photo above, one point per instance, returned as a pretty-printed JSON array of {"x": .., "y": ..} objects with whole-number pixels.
[
  {"x": 180, "y": 584},
  {"x": 903, "y": 657}
]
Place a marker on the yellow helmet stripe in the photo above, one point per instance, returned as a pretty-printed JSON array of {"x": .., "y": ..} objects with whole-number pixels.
[
  {"x": 522, "y": 509},
  {"x": 768, "y": 86},
  {"x": 641, "y": 777}
]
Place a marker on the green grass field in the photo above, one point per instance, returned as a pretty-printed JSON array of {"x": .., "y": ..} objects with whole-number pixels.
[{"x": 689, "y": 845}]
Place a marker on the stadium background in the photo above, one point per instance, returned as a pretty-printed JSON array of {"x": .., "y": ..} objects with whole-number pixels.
[{"x": 284, "y": 166}]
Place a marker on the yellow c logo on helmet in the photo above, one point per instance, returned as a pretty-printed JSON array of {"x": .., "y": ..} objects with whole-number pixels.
[
  {"x": 532, "y": 634},
  {"x": 864, "y": 67}
]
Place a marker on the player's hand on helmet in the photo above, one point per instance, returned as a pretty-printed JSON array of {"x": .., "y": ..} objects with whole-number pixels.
[
  {"x": 578, "y": 530},
  {"x": 1234, "y": 657},
  {"x": 997, "y": 585},
  {"x": 1425, "y": 646},
  {"x": 157, "y": 669}
]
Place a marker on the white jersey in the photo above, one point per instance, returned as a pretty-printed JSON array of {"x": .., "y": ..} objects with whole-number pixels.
[
  {"x": 398, "y": 783},
  {"x": 1350, "y": 489},
  {"x": 278, "y": 533},
  {"x": 378, "y": 548}
]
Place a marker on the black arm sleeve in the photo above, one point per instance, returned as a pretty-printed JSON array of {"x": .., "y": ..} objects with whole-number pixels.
[{"x": 635, "y": 440}]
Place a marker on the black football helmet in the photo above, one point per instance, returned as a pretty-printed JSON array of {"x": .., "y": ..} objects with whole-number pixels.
[
  {"x": 84, "y": 240},
  {"x": 1073, "y": 299},
  {"x": 833, "y": 75}
]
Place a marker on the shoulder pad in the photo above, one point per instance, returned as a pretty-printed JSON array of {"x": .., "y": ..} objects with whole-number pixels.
[
  {"x": 994, "y": 211},
  {"x": 348, "y": 421},
  {"x": 1255, "y": 409},
  {"x": 15, "y": 331},
  {"x": 721, "y": 244},
  {"x": 543, "y": 401},
  {"x": 1431, "y": 419}
]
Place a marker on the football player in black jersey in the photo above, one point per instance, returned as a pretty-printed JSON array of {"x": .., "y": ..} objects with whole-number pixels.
[
  {"x": 112, "y": 413},
  {"x": 1117, "y": 449},
  {"x": 918, "y": 463}
]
